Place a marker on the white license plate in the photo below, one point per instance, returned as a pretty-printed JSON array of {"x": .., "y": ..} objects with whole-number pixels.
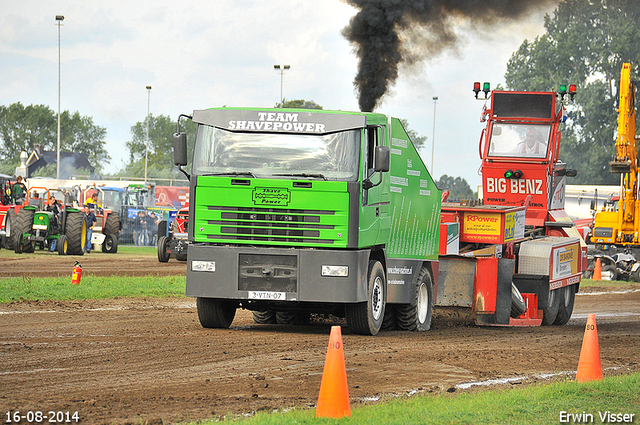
[{"x": 267, "y": 295}]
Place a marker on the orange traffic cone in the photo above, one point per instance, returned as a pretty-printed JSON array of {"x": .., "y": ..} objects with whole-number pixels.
[
  {"x": 589, "y": 367},
  {"x": 597, "y": 271},
  {"x": 333, "y": 401}
]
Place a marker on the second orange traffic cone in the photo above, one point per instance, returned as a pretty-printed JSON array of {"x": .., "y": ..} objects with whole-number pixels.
[
  {"x": 333, "y": 401},
  {"x": 589, "y": 366},
  {"x": 597, "y": 271}
]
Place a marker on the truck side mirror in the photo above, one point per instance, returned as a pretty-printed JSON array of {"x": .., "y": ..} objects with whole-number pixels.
[
  {"x": 180, "y": 149},
  {"x": 382, "y": 158}
]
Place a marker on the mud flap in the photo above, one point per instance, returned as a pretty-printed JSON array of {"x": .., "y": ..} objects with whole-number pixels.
[{"x": 493, "y": 291}]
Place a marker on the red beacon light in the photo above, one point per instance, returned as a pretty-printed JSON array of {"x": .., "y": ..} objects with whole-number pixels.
[
  {"x": 486, "y": 88},
  {"x": 572, "y": 90}
]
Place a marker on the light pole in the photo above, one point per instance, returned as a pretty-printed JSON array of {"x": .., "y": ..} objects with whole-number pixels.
[
  {"x": 146, "y": 144},
  {"x": 59, "y": 19},
  {"x": 281, "y": 70},
  {"x": 433, "y": 139}
]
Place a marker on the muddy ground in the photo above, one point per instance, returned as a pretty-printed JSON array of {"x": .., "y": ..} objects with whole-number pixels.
[{"x": 131, "y": 360}]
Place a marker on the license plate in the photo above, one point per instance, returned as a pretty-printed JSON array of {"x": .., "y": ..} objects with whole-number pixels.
[{"x": 267, "y": 295}]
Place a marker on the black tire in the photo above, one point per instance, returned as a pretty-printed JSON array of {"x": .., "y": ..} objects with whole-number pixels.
[
  {"x": 389, "y": 321},
  {"x": 567, "y": 297},
  {"x": 550, "y": 311},
  {"x": 76, "y": 232},
  {"x": 162, "y": 228},
  {"x": 23, "y": 224},
  {"x": 636, "y": 275},
  {"x": 366, "y": 318},
  {"x": 292, "y": 318},
  {"x": 110, "y": 243},
  {"x": 181, "y": 257},
  {"x": 613, "y": 272},
  {"x": 112, "y": 226},
  {"x": 215, "y": 313},
  {"x": 19, "y": 243},
  {"x": 9, "y": 221},
  {"x": 163, "y": 255},
  {"x": 266, "y": 317},
  {"x": 62, "y": 245},
  {"x": 417, "y": 315},
  {"x": 518, "y": 306}
]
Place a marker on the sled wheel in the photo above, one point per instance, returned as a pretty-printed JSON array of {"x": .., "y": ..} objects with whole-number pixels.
[{"x": 567, "y": 297}]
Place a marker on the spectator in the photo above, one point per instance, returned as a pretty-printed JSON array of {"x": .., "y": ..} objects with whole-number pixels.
[
  {"x": 137, "y": 228},
  {"x": 91, "y": 222},
  {"x": 94, "y": 203},
  {"x": 19, "y": 191},
  {"x": 152, "y": 225}
]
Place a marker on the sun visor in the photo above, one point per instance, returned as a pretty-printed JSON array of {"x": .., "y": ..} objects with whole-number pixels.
[{"x": 278, "y": 121}]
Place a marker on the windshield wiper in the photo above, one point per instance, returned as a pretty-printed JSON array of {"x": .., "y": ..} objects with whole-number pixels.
[
  {"x": 318, "y": 176},
  {"x": 233, "y": 173}
]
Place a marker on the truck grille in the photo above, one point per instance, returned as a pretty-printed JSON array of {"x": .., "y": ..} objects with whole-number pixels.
[
  {"x": 271, "y": 224},
  {"x": 273, "y": 273}
]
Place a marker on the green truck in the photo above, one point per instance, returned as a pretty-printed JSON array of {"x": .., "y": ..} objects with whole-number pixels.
[{"x": 299, "y": 212}]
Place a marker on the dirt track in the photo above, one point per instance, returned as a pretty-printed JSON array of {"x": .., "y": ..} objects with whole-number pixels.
[{"x": 119, "y": 361}]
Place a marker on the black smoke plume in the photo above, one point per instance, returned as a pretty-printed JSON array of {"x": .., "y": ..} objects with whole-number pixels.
[{"x": 387, "y": 33}]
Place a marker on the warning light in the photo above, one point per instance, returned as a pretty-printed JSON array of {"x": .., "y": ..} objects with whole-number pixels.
[
  {"x": 476, "y": 88},
  {"x": 563, "y": 91},
  {"x": 486, "y": 88},
  {"x": 572, "y": 90},
  {"x": 510, "y": 174}
]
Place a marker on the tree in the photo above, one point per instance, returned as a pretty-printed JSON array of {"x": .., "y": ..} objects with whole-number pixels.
[
  {"x": 22, "y": 128},
  {"x": 586, "y": 42},
  {"x": 160, "y": 149},
  {"x": 418, "y": 141},
  {"x": 298, "y": 104},
  {"x": 458, "y": 187}
]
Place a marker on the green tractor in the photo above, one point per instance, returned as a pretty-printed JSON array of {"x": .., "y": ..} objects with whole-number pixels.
[{"x": 33, "y": 227}]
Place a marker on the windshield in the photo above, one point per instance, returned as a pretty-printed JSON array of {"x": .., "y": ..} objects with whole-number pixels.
[
  {"x": 331, "y": 156},
  {"x": 519, "y": 140}
]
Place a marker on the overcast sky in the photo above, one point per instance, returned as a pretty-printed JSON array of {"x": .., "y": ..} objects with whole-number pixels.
[{"x": 201, "y": 54}]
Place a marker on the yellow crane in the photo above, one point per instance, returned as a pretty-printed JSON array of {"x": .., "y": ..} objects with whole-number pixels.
[{"x": 619, "y": 225}]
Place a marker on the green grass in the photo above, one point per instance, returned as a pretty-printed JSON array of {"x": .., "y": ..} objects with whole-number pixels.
[
  {"x": 585, "y": 283},
  {"x": 529, "y": 405},
  {"x": 90, "y": 287}
]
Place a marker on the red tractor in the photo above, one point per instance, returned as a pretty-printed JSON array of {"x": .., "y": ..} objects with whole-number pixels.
[{"x": 172, "y": 236}]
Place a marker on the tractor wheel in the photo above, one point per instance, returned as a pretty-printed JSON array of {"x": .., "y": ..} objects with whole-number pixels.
[
  {"x": 550, "y": 311},
  {"x": 19, "y": 243},
  {"x": 162, "y": 228},
  {"x": 112, "y": 226},
  {"x": 63, "y": 245},
  {"x": 215, "y": 313},
  {"x": 163, "y": 255},
  {"x": 110, "y": 243},
  {"x": 417, "y": 315},
  {"x": 366, "y": 318},
  {"x": 23, "y": 224},
  {"x": 567, "y": 297},
  {"x": 76, "y": 232},
  {"x": 266, "y": 317},
  {"x": 9, "y": 220},
  {"x": 181, "y": 257}
]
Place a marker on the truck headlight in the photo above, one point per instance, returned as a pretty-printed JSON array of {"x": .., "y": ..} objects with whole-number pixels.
[
  {"x": 335, "y": 271},
  {"x": 203, "y": 266}
]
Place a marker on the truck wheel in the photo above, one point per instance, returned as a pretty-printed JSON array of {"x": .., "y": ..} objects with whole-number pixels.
[
  {"x": 63, "y": 245},
  {"x": 389, "y": 320},
  {"x": 110, "y": 243},
  {"x": 292, "y": 318},
  {"x": 163, "y": 255},
  {"x": 550, "y": 311},
  {"x": 76, "y": 232},
  {"x": 567, "y": 297},
  {"x": 518, "y": 306},
  {"x": 366, "y": 318},
  {"x": 266, "y": 317},
  {"x": 417, "y": 315},
  {"x": 215, "y": 313}
]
